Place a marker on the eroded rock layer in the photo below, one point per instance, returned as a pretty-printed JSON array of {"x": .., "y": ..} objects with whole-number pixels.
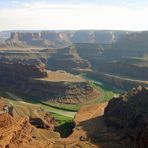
[
  {"x": 22, "y": 130},
  {"x": 37, "y": 82},
  {"x": 129, "y": 112}
]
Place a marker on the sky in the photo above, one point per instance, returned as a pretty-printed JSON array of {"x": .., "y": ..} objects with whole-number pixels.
[{"x": 73, "y": 14}]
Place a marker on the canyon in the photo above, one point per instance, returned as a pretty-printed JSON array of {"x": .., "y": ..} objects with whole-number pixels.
[
  {"x": 77, "y": 88},
  {"x": 56, "y": 39},
  {"x": 36, "y": 82},
  {"x": 113, "y": 124}
]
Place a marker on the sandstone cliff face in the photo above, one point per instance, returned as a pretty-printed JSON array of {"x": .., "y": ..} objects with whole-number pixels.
[
  {"x": 97, "y": 36},
  {"x": 123, "y": 83},
  {"x": 125, "y": 69},
  {"x": 64, "y": 92},
  {"x": 12, "y": 133},
  {"x": 23, "y": 79},
  {"x": 25, "y": 131},
  {"x": 129, "y": 112},
  {"x": 130, "y": 45},
  {"x": 21, "y": 71},
  {"x": 49, "y": 38},
  {"x": 67, "y": 59},
  {"x": 36, "y": 39},
  {"x": 16, "y": 134}
]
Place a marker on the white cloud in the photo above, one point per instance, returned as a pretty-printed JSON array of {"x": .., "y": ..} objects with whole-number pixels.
[
  {"x": 54, "y": 16},
  {"x": 14, "y": 1}
]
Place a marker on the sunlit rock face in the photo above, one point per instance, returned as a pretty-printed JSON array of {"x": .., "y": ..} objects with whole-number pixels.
[{"x": 35, "y": 81}]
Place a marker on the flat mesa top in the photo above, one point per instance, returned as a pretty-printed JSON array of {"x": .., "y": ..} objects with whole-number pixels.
[{"x": 61, "y": 76}]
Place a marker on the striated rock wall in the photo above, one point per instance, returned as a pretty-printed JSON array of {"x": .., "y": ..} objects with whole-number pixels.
[
  {"x": 42, "y": 39},
  {"x": 123, "y": 83},
  {"x": 80, "y": 36},
  {"x": 66, "y": 92},
  {"x": 20, "y": 71},
  {"x": 129, "y": 112},
  {"x": 67, "y": 59},
  {"x": 125, "y": 69},
  {"x": 33, "y": 81}
]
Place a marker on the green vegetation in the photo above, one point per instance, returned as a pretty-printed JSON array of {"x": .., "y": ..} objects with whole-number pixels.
[
  {"x": 61, "y": 119},
  {"x": 64, "y": 113},
  {"x": 60, "y": 113},
  {"x": 105, "y": 92},
  {"x": 69, "y": 107},
  {"x": 61, "y": 116}
]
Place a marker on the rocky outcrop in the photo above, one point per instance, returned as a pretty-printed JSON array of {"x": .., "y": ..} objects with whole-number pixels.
[
  {"x": 21, "y": 71},
  {"x": 33, "y": 81},
  {"x": 131, "y": 45},
  {"x": 45, "y": 121},
  {"x": 67, "y": 59},
  {"x": 23, "y": 129},
  {"x": 62, "y": 92},
  {"x": 129, "y": 113},
  {"x": 83, "y": 37},
  {"x": 5, "y": 120},
  {"x": 20, "y": 133},
  {"x": 13, "y": 133},
  {"x": 5, "y": 107},
  {"x": 124, "y": 83},
  {"x": 96, "y": 36},
  {"x": 63, "y": 38},
  {"x": 45, "y": 39},
  {"x": 125, "y": 69},
  {"x": 17, "y": 133}
]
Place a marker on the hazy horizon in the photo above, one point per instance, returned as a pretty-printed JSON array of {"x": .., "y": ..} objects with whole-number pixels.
[
  {"x": 71, "y": 30},
  {"x": 58, "y": 30},
  {"x": 74, "y": 15}
]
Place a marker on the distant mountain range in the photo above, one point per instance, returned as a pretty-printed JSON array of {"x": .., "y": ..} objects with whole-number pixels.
[{"x": 58, "y": 38}]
